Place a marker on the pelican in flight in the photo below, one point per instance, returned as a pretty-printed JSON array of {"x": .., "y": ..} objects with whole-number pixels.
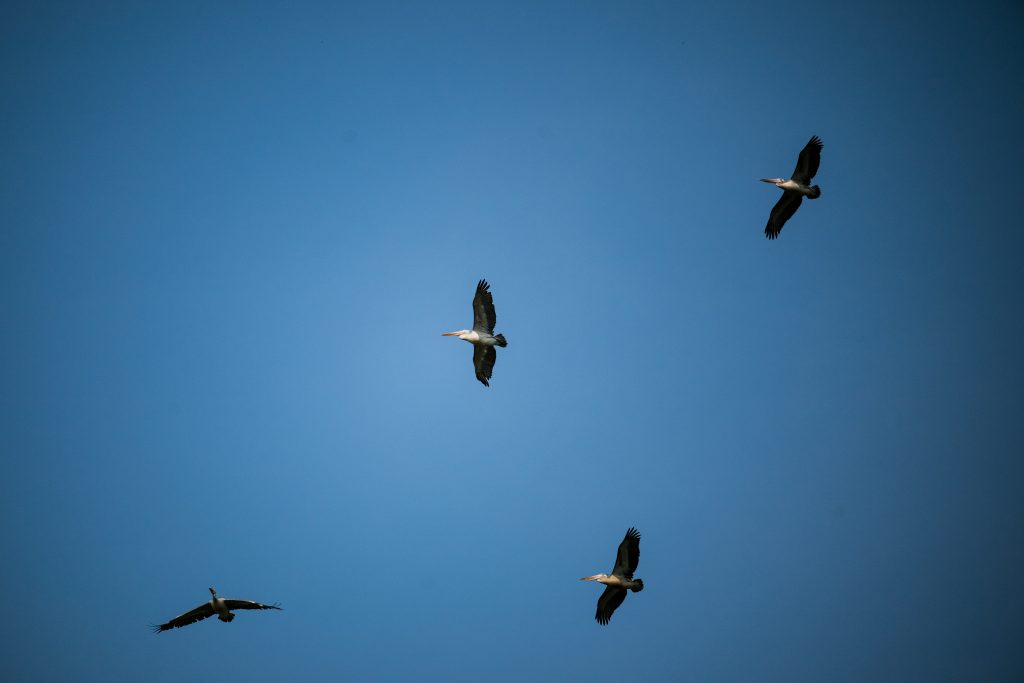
[
  {"x": 621, "y": 579},
  {"x": 220, "y": 606},
  {"x": 482, "y": 335},
  {"x": 796, "y": 188}
]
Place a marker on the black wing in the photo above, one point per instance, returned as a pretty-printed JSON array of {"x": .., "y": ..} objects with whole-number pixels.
[
  {"x": 608, "y": 603},
  {"x": 783, "y": 210},
  {"x": 628, "y": 556},
  {"x": 483, "y": 362},
  {"x": 234, "y": 603},
  {"x": 484, "y": 318},
  {"x": 198, "y": 614},
  {"x": 808, "y": 161}
]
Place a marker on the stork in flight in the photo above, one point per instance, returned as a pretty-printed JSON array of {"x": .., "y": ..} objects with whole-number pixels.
[
  {"x": 220, "y": 606},
  {"x": 621, "y": 579},
  {"x": 482, "y": 335},
  {"x": 796, "y": 188}
]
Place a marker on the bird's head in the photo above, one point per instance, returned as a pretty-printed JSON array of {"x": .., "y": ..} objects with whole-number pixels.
[
  {"x": 773, "y": 181},
  {"x": 213, "y": 592},
  {"x": 458, "y": 334},
  {"x": 595, "y": 577}
]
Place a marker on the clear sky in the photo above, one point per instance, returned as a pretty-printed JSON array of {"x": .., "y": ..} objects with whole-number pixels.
[{"x": 232, "y": 233}]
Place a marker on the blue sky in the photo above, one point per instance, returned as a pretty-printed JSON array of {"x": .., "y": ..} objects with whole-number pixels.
[{"x": 232, "y": 233}]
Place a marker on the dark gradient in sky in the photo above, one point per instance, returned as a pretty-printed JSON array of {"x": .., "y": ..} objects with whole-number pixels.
[{"x": 232, "y": 233}]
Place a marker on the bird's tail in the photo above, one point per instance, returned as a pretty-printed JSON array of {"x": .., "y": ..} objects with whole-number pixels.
[
  {"x": 499, "y": 339},
  {"x": 639, "y": 585},
  {"x": 815, "y": 192},
  {"x": 226, "y": 617}
]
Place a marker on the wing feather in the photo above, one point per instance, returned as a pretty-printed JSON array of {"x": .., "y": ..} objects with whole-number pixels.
[
  {"x": 192, "y": 616},
  {"x": 628, "y": 556},
  {"x": 783, "y": 210},
  {"x": 234, "y": 603},
  {"x": 808, "y": 161},
  {"x": 483, "y": 362},
  {"x": 608, "y": 603},
  {"x": 484, "y": 318}
]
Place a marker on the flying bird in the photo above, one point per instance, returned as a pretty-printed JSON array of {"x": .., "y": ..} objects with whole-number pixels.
[
  {"x": 482, "y": 335},
  {"x": 796, "y": 188},
  {"x": 220, "y": 606},
  {"x": 621, "y": 579}
]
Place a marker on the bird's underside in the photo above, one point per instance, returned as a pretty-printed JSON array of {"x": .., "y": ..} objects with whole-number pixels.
[
  {"x": 482, "y": 336},
  {"x": 796, "y": 188},
  {"x": 222, "y": 607},
  {"x": 621, "y": 580}
]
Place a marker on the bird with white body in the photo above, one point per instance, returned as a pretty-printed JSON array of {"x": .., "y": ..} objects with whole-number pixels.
[
  {"x": 796, "y": 188},
  {"x": 482, "y": 335},
  {"x": 621, "y": 580},
  {"x": 222, "y": 607}
]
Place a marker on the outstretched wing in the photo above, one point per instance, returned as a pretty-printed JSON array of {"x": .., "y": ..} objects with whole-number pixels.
[
  {"x": 808, "y": 161},
  {"x": 484, "y": 317},
  {"x": 608, "y": 603},
  {"x": 483, "y": 362},
  {"x": 198, "y": 614},
  {"x": 233, "y": 604},
  {"x": 783, "y": 210},
  {"x": 628, "y": 556}
]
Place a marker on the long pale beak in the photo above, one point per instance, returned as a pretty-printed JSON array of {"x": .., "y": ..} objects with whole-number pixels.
[
  {"x": 589, "y": 578},
  {"x": 771, "y": 180},
  {"x": 449, "y": 334}
]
